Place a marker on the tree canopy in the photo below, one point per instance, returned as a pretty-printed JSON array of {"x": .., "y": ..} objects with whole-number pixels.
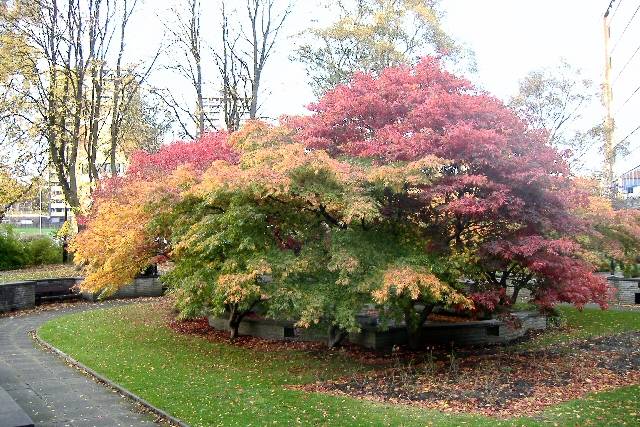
[
  {"x": 371, "y": 35},
  {"x": 408, "y": 190}
]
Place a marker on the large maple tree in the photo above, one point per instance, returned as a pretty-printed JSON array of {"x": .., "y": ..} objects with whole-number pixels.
[
  {"x": 410, "y": 190},
  {"x": 503, "y": 204}
]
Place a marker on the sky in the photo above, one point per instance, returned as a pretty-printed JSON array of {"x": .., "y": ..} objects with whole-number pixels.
[{"x": 510, "y": 38}]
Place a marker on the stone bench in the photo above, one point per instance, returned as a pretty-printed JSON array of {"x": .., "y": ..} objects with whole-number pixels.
[
  {"x": 29, "y": 293},
  {"x": 12, "y": 415}
]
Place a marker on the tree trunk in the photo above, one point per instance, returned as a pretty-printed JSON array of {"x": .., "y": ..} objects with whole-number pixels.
[
  {"x": 234, "y": 325},
  {"x": 236, "y": 316},
  {"x": 514, "y": 296},
  {"x": 414, "y": 326},
  {"x": 336, "y": 336}
]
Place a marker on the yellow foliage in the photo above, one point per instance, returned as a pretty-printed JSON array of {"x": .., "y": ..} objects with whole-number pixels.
[
  {"x": 241, "y": 287},
  {"x": 10, "y": 189},
  {"x": 417, "y": 284},
  {"x": 412, "y": 174},
  {"x": 116, "y": 244}
]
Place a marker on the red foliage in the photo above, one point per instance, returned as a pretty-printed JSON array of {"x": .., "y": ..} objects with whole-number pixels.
[
  {"x": 199, "y": 154},
  {"x": 489, "y": 300},
  {"x": 504, "y": 188}
]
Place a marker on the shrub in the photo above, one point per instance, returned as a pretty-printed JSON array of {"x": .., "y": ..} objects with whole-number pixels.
[
  {"x": 12, "y": 250},
  {"x": 16, "y": 252},
  {"x": 42, "y": 250}
]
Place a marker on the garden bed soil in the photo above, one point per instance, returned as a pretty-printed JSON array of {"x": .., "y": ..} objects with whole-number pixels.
[{"x": 499, "y": 383}]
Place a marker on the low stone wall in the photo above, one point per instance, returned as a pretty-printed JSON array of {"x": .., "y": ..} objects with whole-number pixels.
[
  {"x": 141, "y": 287},
  {"x": 465, "y": 333},
  {"x": 17, "y": 296},
  {"x": 628, "y": 289},
  {"x": 26, "y": 294}
]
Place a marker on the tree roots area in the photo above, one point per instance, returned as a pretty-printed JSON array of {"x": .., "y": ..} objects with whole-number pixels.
[{"x": 498, "y": 383}]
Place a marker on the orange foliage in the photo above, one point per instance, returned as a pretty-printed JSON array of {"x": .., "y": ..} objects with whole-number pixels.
[{"x": 418, "y": 285}]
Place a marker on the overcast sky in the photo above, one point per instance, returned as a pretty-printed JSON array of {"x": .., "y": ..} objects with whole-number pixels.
[{"x": 510, "y": 38}]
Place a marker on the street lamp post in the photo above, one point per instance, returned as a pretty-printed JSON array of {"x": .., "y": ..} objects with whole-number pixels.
[{"x": 40, "y": 211}]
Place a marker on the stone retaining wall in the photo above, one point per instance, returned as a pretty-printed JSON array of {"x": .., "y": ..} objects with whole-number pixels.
[
  {"x": 22, "y": 295},
  {"x": 628, "y": 289},
  {"x": 467, "y": 333},
  {"x": 141, "y": 287},
  {"x": 17, "y": 296}
]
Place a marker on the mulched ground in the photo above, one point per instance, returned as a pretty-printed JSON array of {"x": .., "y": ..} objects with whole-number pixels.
[
  {"x": 500, "y": 383},
  {"x": 200, "y": 327}
]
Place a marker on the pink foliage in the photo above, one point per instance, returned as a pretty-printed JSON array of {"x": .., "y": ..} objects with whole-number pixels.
[
  {"x": 504, "y": 188},
  {"x": 199, "y": 154},
  {"x": 562, "y": 276},
  {"x": 488, "y": 301}
]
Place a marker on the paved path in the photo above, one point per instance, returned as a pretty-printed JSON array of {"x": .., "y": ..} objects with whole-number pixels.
[{"x": 49, "y": 391}]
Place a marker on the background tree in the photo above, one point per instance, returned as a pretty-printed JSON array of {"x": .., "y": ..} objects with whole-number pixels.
[
  {"x": 128, "y": 106},
  {"x": 67, "y": 48},
  {"x": 370, "y": 35},
  {"x": 248, "y": 34},
  {"x": 558, "y": 100},
  {"x": 186, "y": 41},
  {"x": 11, "y": 191}
]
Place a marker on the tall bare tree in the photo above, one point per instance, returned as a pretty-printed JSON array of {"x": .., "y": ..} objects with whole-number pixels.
[
  {"x": 69, "y": 48},
  {"x": 248, "y": 35},
  {"x": 236, "y": 88},
  {"x": 126, "y": 87},
  {"x": 265, "y": 26},
  {"x": 186, "y": 40}
]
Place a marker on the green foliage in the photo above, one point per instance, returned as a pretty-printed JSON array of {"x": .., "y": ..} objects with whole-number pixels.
[
  {"x": 17, "y": 252},
  {"x": 298, "y": 232},
  {"x": 12, "y": 253},
  {"x": 42, "y": 250}
]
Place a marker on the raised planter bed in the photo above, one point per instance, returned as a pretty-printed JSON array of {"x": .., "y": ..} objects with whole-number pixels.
[{"x": 463, "y": 333}]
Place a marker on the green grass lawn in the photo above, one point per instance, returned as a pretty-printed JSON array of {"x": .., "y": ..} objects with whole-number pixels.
[
  {"x": 40, "y": 272},
  {"x": 29, "y": 231},
  {"x": 206, "y": 383},
  {"x": 590, "y": 322}
]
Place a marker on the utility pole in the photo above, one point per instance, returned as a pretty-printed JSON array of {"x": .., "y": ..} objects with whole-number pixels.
[{"x": 609, "y": 154}]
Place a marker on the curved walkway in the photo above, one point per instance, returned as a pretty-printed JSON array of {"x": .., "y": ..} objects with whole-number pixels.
[{"x": 49, "y": 391}]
